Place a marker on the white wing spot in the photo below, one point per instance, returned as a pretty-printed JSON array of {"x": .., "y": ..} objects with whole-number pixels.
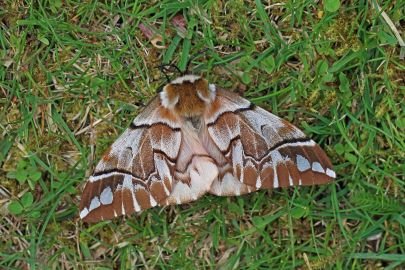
[
  {"x": 84, "y": 213},
  {"x": 123, "y": 208},
  {"x": 302, "y": 163},
  {"x": 258, "y": 182},
  {"x": 330, "y": 173},
  {"x": 317, "y": 167},
  {"x": 153, "y": 203},
  {"x": 127, "y": 183},
  {"x": 275, "y": 179},
  {"x": 166, "y": 189},
  {"x": 290, "y": 180},
  {"x": 95, "y": 202},
  {"x": 277, "y": 158},
  {"x": 106, "y": 197},
  {"x": 136, "y": 204}
]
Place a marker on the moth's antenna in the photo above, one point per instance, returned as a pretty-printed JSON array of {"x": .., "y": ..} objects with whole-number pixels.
[
  {"x": 164, "y": 68},
  {"x": 193, "y": 57},
  {"x": 176, "y": 67}
]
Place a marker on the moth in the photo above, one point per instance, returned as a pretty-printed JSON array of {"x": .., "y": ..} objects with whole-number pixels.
[{"x": 192, "y": 139}]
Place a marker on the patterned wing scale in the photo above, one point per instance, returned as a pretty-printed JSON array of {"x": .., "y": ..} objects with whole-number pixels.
[
  {"x": 262, "y": 150},
  {"x": 136, "y": 171}
]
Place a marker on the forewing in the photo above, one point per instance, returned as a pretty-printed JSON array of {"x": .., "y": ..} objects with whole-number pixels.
[
  {"x": 259, "y": 149},
  {"x": 136, "y": 172}
]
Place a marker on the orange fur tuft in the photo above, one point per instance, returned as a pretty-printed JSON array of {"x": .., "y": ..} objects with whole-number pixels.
[{"x": 189, "y": 103}]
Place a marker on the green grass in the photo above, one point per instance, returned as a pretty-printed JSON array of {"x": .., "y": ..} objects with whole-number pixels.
[{"x": 73, "y": 74}]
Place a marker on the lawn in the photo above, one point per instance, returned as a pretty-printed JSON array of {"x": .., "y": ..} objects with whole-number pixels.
[{"x": 73, "y": 74}]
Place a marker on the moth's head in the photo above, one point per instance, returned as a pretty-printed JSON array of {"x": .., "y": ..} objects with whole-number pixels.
[{"x": 188, "y": 95}]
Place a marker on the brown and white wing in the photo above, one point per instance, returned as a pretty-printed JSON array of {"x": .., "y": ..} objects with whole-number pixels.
[
  {"x": 255, "y": 149},
  {"x": 136, "y": 172}
]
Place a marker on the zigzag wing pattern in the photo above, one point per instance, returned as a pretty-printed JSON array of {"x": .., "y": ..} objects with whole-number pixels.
[
  {"x": 259, "y": 149},
  {"x": 136, "y": 172}
]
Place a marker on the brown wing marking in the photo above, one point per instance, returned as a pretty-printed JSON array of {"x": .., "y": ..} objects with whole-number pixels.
[
  {"x": 136, "y": 173},
  {"x": 263, "y": 150}
]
